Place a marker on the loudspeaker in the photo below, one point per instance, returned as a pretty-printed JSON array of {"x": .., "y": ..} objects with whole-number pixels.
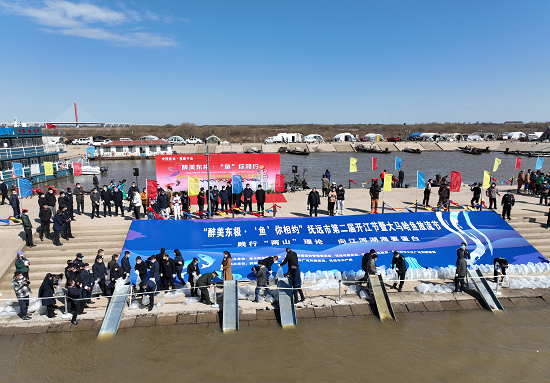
[
  {"x": 294, "y": 169},
  {"x": 136, "y": 172}
]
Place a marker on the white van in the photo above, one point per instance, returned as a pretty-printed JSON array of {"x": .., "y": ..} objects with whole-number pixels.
[
  {"x": 516, "y": 135},
  {"x": 83, "y": 141},
  {"x": 176, "y": 140},
  {"x": 313, "y": 139},
  {"x": 534, "y": 136},
  {"x": 149, "y": 138}
]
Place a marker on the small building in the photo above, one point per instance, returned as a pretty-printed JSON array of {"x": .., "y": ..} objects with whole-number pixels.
[
  {"x": 133, "y": 149},
  {"x": 545, "y": 135}
]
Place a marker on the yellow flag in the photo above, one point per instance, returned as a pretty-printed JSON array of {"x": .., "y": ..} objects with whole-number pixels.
[
  {"x": 387, "y": 182},
  {"x": 193, "y": 185},
  {"x": 48, "y": 168},
  {"x": 486, "y": 180},
  {"x": 497, "y": 162},
  {"x": 352, "y": 165}
]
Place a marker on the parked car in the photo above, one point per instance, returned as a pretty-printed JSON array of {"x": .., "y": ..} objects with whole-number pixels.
[
  {"x": 194, "y": 141},
  {"x": 176, "y": 140},
  {"x": 394, "y": 139},
  {"x": 83, "y": 141},
  {"x": 100, "y": 140},
  {"x": 149, "y": 138}
]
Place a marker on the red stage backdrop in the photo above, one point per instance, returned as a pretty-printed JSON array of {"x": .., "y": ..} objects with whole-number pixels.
[{"x": 255, "y": 169}]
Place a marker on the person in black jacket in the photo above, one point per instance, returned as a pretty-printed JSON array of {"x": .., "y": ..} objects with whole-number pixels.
[
  {"x": 247, "y": 194},
  {"x": 118, "y": 197},
  {"x": 79, "y": 193},
  {"x": 50, "y": 200},
  {"x": 57, "y": 227},
  {"x": 61, "y": 200},
  {"x": 66, "y": 217},
  {"x": 461, "y": 270},
  {"x": 202, "y": 284},
  {"x": 508, "y": 201},
  {"x": 224, "y": 198},
  {"x": 106, "y": 197},
  {"x": 14, "y": 203},
  {"x": 179, "y": 262},
  {"x": 291, "y": 258},
  {"x": 69, "y": 202},
  {"x": 214, "y": 199},
  {"x": 4, "y": 191},
  {"x": 193, "y": 272},
  {"x": 148, "y": 288},
  {"x": 260, "y": 199},
  {"x": 476, "y": 190},
  {"x": 200, "y": 202},
  {"x": 163, "y": 202},
  {"x": 74, "y": 292},
  {"x": 269, "y": 261},
  {"x": 365, "y": 263},
  {"x": 125, "y": 264},
  {"x": 141, "y": 268},
  {"x": 47, "y": 290},
  {"x": 100, "y": 272},
  {"x": 78, "y": 261},
  {"x": 167, "y": 271},
  {"x": 87, "y": 283},
  {"x": 45, "y": 216},
  {"x": 313, "y": 201},
  {"x": 398, "y": 263},
  {"x": 500, "y": 265},
  {"x": 95, "y": 181},
  {"x": 462, "y": 252}
]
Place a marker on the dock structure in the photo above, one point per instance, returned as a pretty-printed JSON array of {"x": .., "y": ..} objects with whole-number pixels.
[
  {"x": 286, "y": 303},
  {"x": 383, "y": 304},
  {"x": 113, "y": 315},
  {"x": 487, "y": 295},
  {"x": 230, "y": 320}
]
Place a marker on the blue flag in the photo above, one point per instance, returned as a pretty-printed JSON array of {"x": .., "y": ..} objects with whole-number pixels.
[
  {"x": 18, "y": 169},
  {"x": 540, "y": 160},
  {"x": 90, "y": 152},
  {"x": 397, "y": 163},
  {"x": 25, "y": 187},
  {"x": 237, "y": 182},
  {"x": 420, "y": 183}
]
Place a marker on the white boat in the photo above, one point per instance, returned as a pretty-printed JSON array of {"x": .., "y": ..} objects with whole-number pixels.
[{"x": 88, "y": 169}]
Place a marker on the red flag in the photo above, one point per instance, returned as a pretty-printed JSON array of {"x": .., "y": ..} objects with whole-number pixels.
[
  {"x": 518, "y": 163},
  {"x": 352, "y": 181},
  {"x": 77, "y": 168},
  {"x": 279, "y": 183},
  {"x": 456, "y": 181},
  {"x": 152, "y": 187},
  {"x": 374, "y": 165},
  {"x": 50, "y": 126}
]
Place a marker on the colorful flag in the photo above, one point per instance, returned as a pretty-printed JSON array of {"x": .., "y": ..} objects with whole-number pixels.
[
  {"x": 456, "y": 181},
  {"x": 352, "y": 165},
  {"x": 279, "y": 183},
  {"x": 194, "y": 185},
  {"x": 420, "y": 183},
  {"x": 48, "y": 168},
  {"x": 77, "y": 168},
  {"x": 497, "y": 162},
  {"x": 397, "y": 163},
  {"x": 152, "y": 187},
  {"x": 518, "y": 163},
  {"x": 486, "y": 179},
  {"x": 18, "y": 169},
  {"x": 387, "y": 182},
  {"x": 25, "y": 187},
  {"x": 50, "y": 126},
  {"x": 90, "y": 152},
  {"x": 374, "y": 165},
  {"x": 540, "y": 161},
  {"x": 237, "y": 182}
]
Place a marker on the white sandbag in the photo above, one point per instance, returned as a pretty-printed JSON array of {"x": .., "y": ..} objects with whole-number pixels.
[
  {"x": 96, "y": 289},
  {"x": 145, "y": 300},
  {"x": 160, "y": 303},
  {"x": 6, "y": 303},
  {"x": 190, "y": 300},
  {"x": 134, "y": 305},
  {"x": 363, "y": 294},
  {"x": 422, "y": 288},
  {"x": 352, "y": 289}
]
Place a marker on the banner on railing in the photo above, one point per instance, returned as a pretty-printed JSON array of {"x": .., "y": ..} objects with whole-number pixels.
[{"x": 334, "y": 243}]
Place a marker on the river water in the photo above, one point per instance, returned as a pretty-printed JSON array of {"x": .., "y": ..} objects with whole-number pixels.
[
  {"x": 470, "y": 166},
  {"x": 465, "y": 346}
]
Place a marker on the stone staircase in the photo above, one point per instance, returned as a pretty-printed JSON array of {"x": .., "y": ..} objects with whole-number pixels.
[
  {"x": 108, "y": 234},
  {"x": 532, "y": 227}
]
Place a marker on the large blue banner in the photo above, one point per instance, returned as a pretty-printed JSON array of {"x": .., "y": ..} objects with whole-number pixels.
[{"x": 334, "y": 243}]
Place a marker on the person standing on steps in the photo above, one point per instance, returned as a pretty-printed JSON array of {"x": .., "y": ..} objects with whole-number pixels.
[
  {"x": 95, "y": 198},
  {"x": 374, "y": 192},
  {"x": 313, "y": 201},
  {"x": 22, "y": 291},
  {"x": 14, "y": 203},
  {"x": 27, "y": 227},
  {"x": 47, "y": 290},
  {"x": 340, "y": 194},
  {"x": 75, "y": 293},
  {"x": 61, "y": 202},
  {"x": 69, "y": 202},
  {"x": 508, "y": 201},
  {"x": 50, "y": 200},
  {"x": 57, "y": 227},
  {"x": 118, "y": 198},
  {"x": 78, "y": 191},
  {"x": 193, "y": 272},
  {"x": 22, "y": 264},
  {"x": 398, "y": 263},
  {"x": 45, "y": 216},
  {"x": 226, "y": 266},
  {"x": 87, "y": 283},
  {"x": 100, "y": 272},
  {"x": 3, "y": 191},
  {"x": 106, "y": 197},
  {"x": 427, "y": 193}
]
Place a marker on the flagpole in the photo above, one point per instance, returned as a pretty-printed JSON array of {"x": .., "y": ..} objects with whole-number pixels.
[
  {"x": 208, "y": 180},
  {"x": 416, "y": 198}
]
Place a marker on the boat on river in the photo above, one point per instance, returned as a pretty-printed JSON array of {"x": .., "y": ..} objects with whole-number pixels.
[
  {"x": 370, "y": 149},
  {"x": 412, "y": 150},
  {"x": 298, "y": 150}
]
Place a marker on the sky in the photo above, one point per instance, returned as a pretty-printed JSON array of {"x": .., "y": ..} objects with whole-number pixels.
[{"x": 276, "y": 62}]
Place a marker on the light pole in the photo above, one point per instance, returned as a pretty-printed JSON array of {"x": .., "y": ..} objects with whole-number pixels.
[{"x": 230, "y": 136}]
